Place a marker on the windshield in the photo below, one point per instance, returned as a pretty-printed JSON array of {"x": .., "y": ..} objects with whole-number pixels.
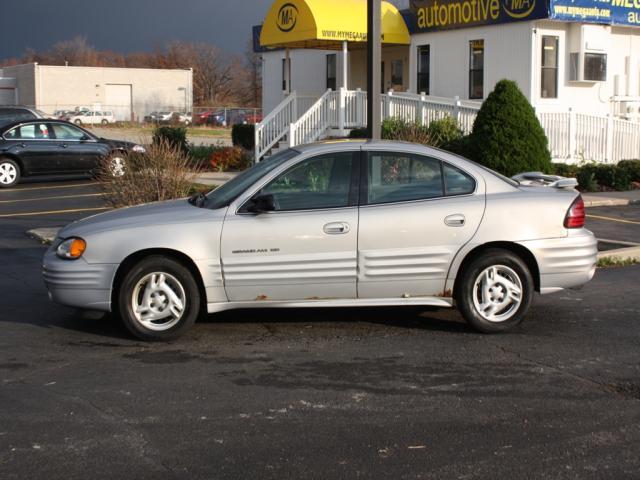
[{"x": 227, "y": 193}]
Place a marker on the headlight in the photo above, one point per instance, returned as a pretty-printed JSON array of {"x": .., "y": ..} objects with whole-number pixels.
[
  {"x": 71, "y": 248},
  {"x": 138, "y": 149}
]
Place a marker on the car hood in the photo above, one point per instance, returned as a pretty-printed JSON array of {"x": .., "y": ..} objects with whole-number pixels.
[
  {"x": 118, "y": 144},
  {"x": 171, "y": 212}
]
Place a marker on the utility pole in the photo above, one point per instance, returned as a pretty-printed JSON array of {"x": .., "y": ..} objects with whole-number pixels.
[{"x": 374, "y": 62}]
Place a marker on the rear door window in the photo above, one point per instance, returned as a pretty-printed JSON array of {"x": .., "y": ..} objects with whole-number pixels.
[
  {"x": 456, "y": 181},
  {"x": 402, "y": 177},
  {"x": 31, "y": 131}
]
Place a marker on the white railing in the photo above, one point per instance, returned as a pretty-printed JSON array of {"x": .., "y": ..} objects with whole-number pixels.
[
  {"x": 572, "y": 136},
  {"x": 315, "y": 122},
  {"x": 275, "y": 126}
]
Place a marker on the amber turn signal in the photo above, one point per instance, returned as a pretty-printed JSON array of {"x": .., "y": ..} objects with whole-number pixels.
[{"x": 71, "y": 248}]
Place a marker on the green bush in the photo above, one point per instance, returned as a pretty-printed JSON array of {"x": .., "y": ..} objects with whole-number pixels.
[
  {"x": 200, "y": 155},
  {"x": 507, "y": 136},
  {"x": 358, "y": 133},
  {"x": 397, "y": 129},
  {"x": 445, "y": 132},
  {"x": 173, "y": 136},
  {"x": 243, "y": 135},
  {"x": 564, "y": 170},
  {"x": 632, "y": 167}
]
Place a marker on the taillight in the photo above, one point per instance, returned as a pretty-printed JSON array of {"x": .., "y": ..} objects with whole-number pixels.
[{"x": 575, "y": 214}]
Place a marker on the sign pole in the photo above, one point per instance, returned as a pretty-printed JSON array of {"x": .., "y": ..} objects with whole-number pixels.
[{"x": 374, "y": 62}]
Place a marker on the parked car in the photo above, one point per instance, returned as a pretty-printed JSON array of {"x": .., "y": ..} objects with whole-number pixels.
[
  {"x": 209, "y": 117},
  {"x": 330, "y": 225},
  {"x": 93, "y": 117},
  {"x": 14, "y": 113},
  {"x": 43, "y": 146},
  {"x": 253, "y": 117},
  {"x": 185, "y": 118}
]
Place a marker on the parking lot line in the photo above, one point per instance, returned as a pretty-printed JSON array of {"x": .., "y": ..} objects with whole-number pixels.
[
  {"x": 53, "y": 198},
  {"x": 612, "y": 219},
  {"x": 8, "y": 190},
  {"x": 51, "y": 212}
]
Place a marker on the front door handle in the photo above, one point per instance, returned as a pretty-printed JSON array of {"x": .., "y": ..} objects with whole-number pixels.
[
  {"x": 336, "y": 228},
  {"x": 456, "y": 220}
]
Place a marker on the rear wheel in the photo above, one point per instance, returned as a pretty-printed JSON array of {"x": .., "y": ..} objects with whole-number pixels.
[
  {"x": 9, "y": 173},
  {"x": 78, "y": 122},
  {"x": 158, "y": 299},
  {"x": 495, "y": 291},
  {"x": 105, "y": 122}
]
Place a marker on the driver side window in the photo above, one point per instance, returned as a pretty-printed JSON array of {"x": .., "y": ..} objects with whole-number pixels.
[{"x": 319, "y": 182}]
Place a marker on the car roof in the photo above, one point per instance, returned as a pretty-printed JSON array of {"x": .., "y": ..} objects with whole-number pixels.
[{"x": 366, "y": 144}]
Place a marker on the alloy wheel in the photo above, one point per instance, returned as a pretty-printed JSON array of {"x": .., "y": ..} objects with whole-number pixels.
[
  {"x": 497, "y": 293},
  {"x": 8, "y": 173},
  {"x": 158, "y": 301}
]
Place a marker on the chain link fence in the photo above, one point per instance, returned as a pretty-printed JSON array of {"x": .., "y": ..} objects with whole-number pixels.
[{"x": 99, "y": 114}]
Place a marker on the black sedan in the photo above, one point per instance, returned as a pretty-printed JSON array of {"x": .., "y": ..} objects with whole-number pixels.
[{"x": 44, "y": 147}]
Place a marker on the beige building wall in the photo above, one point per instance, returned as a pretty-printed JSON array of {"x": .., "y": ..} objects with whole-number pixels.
[{"x": 52, "y": 88}]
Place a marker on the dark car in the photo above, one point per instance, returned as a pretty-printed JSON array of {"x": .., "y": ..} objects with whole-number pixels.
[
  {"x": 44, "y": 147},
  {"x": 17, "y": 113}
]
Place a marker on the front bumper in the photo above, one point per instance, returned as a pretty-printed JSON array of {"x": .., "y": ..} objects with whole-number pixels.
[
  {"x": 566, "y": 262},
  {"x": 76, "y": 283}
]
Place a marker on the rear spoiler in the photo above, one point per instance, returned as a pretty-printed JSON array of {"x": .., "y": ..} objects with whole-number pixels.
[{"x": 543, "y": 180}]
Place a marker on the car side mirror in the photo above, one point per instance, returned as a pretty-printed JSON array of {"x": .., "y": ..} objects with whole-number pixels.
[{"x": 261, "y": 203}]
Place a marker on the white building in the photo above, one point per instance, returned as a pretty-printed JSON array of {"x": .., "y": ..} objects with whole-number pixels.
[
  {"x": 131, "y": 93},
  {"x": 569, "y": 57}
]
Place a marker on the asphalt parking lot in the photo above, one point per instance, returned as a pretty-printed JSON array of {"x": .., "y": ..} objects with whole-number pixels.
[{"x": 348, "y": 393}]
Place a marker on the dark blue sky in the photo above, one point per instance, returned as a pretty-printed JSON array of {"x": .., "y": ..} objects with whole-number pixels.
[{"x": 128, "y": 25}]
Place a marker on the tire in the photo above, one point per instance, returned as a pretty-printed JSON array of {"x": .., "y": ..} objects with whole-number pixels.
[
  {"x": 78, "y": 122},
  {"x": 105, "y": 122},
  {"x": 155, "y": 276},
  {"x": 9, "y": 173},
  {"x": 488, "y": 296}
]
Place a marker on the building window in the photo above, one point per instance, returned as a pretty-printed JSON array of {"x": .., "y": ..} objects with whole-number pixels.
[
  {"x": 549, "y": 72},
  {"x": 476, "y": 69},
  {"x": 595, "y": 67},
  {"x": 284, "y": 74},
  {"x": 331, "y": 71},
  {"x": 396, "y": 72},
  {"x": 424, "y": 65}
]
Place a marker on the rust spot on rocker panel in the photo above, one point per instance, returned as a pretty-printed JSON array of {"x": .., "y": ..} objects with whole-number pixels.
[
  {"x": 262, "y": 297},
  {"x": 446, "y": 294}
]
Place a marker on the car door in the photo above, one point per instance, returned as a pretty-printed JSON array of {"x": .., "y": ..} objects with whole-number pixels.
[
  {"x": 306, "y": 247},
  {"x": 416, "y": 213},
  {"x": 77, "y": 150},
  {"x": 32, "y": 143}
]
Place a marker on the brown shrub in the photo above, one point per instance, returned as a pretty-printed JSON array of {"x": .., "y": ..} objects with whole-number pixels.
[{"x": 164, "y": 172}]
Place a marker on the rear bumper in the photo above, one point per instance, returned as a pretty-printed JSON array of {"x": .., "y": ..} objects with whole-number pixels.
[
  {"x": 566, "y": 262},
  {"x": 76, "y": 283}
]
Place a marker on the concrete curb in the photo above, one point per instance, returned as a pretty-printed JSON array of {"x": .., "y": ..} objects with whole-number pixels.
[
  {"x": 44, "y": 235},
  {"x": 630, "y": 253},
  {"x": 609, "y": 202}
]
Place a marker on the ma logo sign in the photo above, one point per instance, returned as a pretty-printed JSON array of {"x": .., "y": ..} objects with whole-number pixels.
[
  {"x": 287, "y": 17},
  {"x": 518, "y": 8}
]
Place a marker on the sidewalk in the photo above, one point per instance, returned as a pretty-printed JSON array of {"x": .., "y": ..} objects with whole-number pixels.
[
  {"x": 214, "y": 178},
  {"x": 603, "y": 199}
]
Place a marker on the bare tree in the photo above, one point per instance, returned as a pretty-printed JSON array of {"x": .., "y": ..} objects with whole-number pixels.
[
  {"x": 251, "y": 79},
  {"x": 73, "y": 52}
]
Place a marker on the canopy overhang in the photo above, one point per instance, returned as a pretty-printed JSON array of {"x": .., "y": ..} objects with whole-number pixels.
[{"x": 326, "y": 24}]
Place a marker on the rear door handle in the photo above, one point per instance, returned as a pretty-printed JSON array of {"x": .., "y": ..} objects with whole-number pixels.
[
  {"x": 456, "y": 220},
  {"x": 336, "y": 228}
]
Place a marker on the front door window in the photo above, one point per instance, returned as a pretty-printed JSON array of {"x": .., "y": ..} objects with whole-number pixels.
[{"x": 319, "y": 182}]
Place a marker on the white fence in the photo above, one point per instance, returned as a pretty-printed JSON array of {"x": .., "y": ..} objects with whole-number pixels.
[{"x": 572, "y": 136}]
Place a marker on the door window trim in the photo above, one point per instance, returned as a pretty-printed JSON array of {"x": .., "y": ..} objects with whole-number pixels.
[{"x": 364, "y": 179}]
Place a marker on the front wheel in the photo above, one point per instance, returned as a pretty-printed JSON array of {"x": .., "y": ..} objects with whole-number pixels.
[
  {"x": 495, "y": 291},
  {"x": 78, "y": 122},
  {"x": 158, "y": 299},
  {"x": 105, "y": 122},
  {"x": 9, "y": 173}
]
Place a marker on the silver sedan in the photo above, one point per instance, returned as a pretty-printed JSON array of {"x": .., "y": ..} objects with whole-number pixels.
[{"x": 334, "y": 224}]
